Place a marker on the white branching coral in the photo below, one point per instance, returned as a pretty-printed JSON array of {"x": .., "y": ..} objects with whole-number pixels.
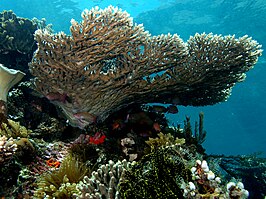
[
  {"x": 109, "y": 63},
  {"x": 7, "y": 148},
  {"x": 104, "y": 182},
  {"x": 205, "y": 184}
]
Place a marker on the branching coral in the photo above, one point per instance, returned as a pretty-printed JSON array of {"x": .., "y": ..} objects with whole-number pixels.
[
  {"x": 104, "y": 183},
  {"x": 109, "y": 63},
  {"x": 7, "y": 148}
]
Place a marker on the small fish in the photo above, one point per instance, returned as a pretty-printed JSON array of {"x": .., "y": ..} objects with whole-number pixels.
[
  {"x": 172, "y": 109},
  {"x": 145, "y": 134},
  {"x": 84, "y": 119},
  {"x": 119, "y": 124},
  {"x": 56, "y": 96},
  {"x": 159, "y": 109},
  {"x": 156, "y": 126},
  {"x": 116, "y": 125},
  {"x": 140, "y": 118},
  {"x": 85, "y": 116}
]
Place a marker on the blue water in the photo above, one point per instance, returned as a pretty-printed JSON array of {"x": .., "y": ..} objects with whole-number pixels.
[{"x": 237, "y": 126}]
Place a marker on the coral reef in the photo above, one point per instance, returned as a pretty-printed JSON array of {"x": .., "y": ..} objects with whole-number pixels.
[
  {"x": 109, "y": 63},
  {"x": 103, "y": 73},
  {"x": 35, "y": 113},
  {"x": 15, "y": 152},
  {"x": 167, "y": 172},
  {"x": 45, "y": 159},
  {"x": 171, "y": 168},
  {"x": 193, "y": 138},
  {"x": 197, "y": 137},
  {"x": 86, "y": 151}
]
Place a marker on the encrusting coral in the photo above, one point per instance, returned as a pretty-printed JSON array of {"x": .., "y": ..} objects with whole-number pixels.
[{"x": 109, "y": 63}]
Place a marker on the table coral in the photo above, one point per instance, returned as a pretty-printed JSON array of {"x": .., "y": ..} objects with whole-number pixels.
[{"x": 109, "y": 63}]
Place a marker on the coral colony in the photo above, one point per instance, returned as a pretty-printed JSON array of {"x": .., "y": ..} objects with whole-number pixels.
[
  {"x": 109, "y": 62},
  {"x": 100, "y": 79}
]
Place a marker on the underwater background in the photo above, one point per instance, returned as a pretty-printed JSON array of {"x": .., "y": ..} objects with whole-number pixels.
[
  {"x": 132, "y": 150},
  {"x": 234, "y": 127}
]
